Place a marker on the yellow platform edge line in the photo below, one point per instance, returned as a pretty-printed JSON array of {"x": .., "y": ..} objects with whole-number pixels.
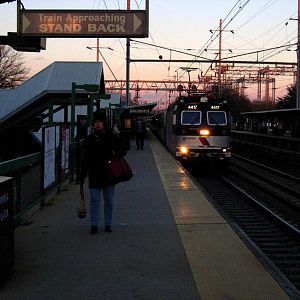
[{"x": 222, "y": 265}]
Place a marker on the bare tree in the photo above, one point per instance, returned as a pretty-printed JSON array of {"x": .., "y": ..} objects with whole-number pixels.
[{"x": 12, "y": 68}]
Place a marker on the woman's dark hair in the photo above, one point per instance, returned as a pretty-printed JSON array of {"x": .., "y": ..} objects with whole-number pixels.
[{"x": 100, "y": 116}]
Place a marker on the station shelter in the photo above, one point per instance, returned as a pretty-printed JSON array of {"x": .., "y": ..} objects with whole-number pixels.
[{"x": 47, "y": 98}]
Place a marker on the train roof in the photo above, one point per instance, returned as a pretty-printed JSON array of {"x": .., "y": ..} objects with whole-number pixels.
[{"x": 199, "y": 98}]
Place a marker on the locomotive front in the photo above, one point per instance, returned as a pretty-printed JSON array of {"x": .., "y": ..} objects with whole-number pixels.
[{"x": 200, "y": 128}]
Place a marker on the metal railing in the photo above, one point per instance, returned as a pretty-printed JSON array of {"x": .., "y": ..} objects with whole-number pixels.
[
  {"x": 27, "y": 177},
  {"x": 280, "y": 143}
]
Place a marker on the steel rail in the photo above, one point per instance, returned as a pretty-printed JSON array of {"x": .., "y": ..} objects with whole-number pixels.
[{"x": 274, "y": 216}]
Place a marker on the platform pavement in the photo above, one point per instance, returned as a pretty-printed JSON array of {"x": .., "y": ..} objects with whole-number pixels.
[
  {"x": 143, "y": 258},
  {"x": 168, "y": 243}
]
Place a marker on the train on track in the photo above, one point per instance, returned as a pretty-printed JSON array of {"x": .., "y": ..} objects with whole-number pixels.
[{"x": 195, "y": 127}]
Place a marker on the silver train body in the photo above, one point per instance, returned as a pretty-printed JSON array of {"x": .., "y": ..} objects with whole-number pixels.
[{"x": 194, "y": 127}]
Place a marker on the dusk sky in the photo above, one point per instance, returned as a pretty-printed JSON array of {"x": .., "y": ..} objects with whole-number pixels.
[{"x": 176, "y": 25}]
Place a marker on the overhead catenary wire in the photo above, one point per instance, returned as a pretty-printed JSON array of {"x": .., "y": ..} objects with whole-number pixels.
[
  {"x": 149, "y": 32},
  {"x": 282, "y": 23},
  {"x": 261, "y": 10},
  {"x": 111, "y": 45},
  {"x": 271, "y": 55},
  {"x": 266, "y": 50},
  {"x": 286, "y": 46},
  {"x": 259, "y": 51},
  {"x": 215, "y": 35},
  {"x": 167, "y": 48}
]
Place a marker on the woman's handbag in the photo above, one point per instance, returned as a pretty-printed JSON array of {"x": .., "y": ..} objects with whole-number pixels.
[
  {"x": 81, "y": 207},
  {"x": 118, "y": 170}
]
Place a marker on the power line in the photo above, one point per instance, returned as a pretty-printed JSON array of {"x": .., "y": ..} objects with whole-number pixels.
[
  {"x": 266, "y": 6},
  {"x": 285, "y": 63},
  {"x": 259, "y": 51},
  {"x": 213, "y": 38},
  {"x": 170, "y": 49},
  {"x": 105, "y": 4},
  {"x": 264, "y": 34},
  {"x": 237, "y": 3}
]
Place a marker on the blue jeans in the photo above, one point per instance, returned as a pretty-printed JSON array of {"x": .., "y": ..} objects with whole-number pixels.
[{"x": 95, "y": 197}]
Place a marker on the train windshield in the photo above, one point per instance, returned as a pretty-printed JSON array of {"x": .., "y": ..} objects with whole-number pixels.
[
  {"x": 216, "y": 118},
  {"x": 191, "y": 117}
]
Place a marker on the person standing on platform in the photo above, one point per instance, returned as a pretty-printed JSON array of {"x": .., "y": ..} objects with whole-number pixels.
[
  {"x": 99, "y": 147},
  {"x": 116, "y": 130},
  {"x": 140, "y": 132}
]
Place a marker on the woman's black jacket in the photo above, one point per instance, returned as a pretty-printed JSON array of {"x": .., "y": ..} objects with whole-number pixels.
[{"x": 98, "y": 150}]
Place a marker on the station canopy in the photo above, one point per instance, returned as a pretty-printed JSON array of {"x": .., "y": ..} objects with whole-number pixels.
[{"x": 52, "y": 85}]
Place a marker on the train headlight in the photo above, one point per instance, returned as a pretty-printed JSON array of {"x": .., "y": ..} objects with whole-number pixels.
[
  {"x": 224, "y": 150},
  {"x": 184, "y": 150},
  {"x": 204, "y": 132}
]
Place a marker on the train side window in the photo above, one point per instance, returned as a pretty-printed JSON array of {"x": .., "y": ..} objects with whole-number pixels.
[
  {"x": 216, "y": 118},
  {"x": 190, "y": 117}
]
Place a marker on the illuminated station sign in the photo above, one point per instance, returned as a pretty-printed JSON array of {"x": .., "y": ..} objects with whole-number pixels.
[{"x": 83, "y": 23}]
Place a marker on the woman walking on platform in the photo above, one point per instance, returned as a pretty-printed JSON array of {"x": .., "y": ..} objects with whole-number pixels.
[{"x": 99, "y": 148}]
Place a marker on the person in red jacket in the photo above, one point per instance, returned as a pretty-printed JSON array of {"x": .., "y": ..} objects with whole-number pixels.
[{"x": 99, "y": 147}]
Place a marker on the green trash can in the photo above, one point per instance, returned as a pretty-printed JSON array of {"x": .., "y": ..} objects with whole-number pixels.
[{"x": 7, "y": 252}]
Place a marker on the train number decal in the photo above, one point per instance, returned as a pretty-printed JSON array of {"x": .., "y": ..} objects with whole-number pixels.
[{"x": 192, "y": 106}]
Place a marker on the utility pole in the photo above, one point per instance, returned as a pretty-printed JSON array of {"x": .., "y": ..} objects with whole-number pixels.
[
  {"x": 127, "y": 62},
  {"x": 97, "y": 55},
  {"x": 220, "y": 60},
  {"x": 220, "y": 56}
]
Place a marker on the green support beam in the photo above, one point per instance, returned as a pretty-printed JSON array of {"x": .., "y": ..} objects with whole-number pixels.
[
  {"x": 73, "y": 100},
  {"x": 50, "y": 116},
  {"x": 90, "y": 110}
]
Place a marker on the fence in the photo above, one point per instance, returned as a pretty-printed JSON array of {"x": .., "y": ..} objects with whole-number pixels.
[{"x": 27, "y": 173}]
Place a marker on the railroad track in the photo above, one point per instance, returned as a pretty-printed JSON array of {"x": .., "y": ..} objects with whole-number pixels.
[
  {"x": 285, "y": 181},
  {"x": 275, "y": 160},
  {"x": 263, "y": 207}
]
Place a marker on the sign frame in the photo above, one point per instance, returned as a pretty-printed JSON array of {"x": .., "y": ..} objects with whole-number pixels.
[
  {"x": 7, "y": 244},
  {"x": 83, "y": 23},
  {"x": 64, "y": 149},
  {"x": 49, "y": 156}
]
